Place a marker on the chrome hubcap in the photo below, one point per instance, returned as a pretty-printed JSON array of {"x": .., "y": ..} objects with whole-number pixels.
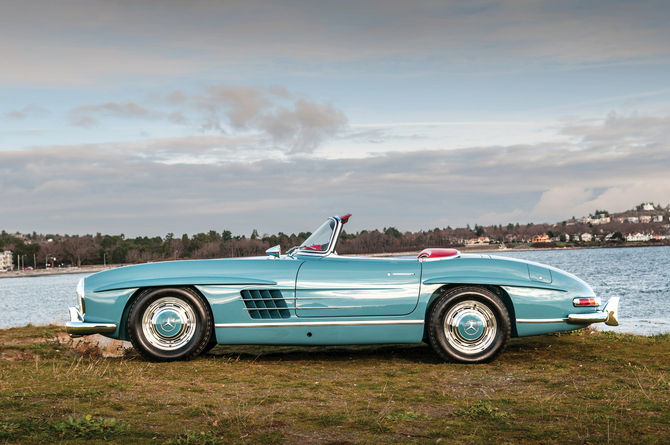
[
  {"x": 470, "y": 327},
  {"x": 169, "y": 323}
]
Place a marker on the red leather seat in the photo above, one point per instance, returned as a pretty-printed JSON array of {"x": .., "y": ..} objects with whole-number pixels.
[{"x": 438, "y": 253}]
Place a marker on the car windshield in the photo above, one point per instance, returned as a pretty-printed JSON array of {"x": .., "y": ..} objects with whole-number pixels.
[{"x": 320, "y": 240}]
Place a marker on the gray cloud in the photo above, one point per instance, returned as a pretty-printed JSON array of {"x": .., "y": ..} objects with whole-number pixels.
[
  {"x": 114, "y": 39},
  {"x": 195, "y": 184},
  {"x": 299, "y": 127},
  {"x": 31, "y": 110},
  {"x": 85, "y": 115},
  {"x": 305, "y": 127},
  {"x": 242, "y": 103}
]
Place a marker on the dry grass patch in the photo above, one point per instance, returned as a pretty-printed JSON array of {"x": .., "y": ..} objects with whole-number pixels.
[{"x": 582, "y": 388}]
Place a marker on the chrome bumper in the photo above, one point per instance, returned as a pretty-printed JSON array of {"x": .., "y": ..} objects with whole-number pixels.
[
  {"x": 609, "y": 315},
  {"x": 77, "y": 327}
]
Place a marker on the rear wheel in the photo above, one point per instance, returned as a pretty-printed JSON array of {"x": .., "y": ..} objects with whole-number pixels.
[
  {"x": 469, "y": 325},
  {"x": 169, "y": 324}
]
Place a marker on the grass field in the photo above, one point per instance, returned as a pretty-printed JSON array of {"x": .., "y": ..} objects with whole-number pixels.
[{"x": 584, "y": 388}]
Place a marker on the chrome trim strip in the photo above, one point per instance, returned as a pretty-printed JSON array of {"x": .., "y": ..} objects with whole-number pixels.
[
  {"x": 402, "y": 273},
  {"x": 541, "y": 320},
  {"x": 318, "y": 323},
  {"x": 293, "y": 307},
  {"x": 290, "y": 299},
  {"x": 267, "y": 299}
]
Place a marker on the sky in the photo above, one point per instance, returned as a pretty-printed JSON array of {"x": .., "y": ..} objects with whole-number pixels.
[{"x": 150, "y": 117}]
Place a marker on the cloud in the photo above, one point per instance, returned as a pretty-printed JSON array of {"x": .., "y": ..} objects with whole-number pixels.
[
  {"x": 299, "y": 126},
  {"x": 211, "y": 182},
  {"x": 242, "y": 103},
  {"x": 114, "y": 40},
  {"x": 305, "y": 127},
  {"x": 177, "y": 97},
  {"x": 85, "y": 115},
  {"x": 31, "y": 110}
]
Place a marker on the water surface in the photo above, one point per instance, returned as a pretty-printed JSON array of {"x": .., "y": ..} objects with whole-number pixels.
[{"x": 640, "y": 276}]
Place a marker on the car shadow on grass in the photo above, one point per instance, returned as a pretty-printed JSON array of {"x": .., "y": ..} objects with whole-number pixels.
[{"x": 420, "y": 353}]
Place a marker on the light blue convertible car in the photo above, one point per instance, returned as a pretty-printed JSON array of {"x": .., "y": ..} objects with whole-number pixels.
[{"x": 466, "y": 306}]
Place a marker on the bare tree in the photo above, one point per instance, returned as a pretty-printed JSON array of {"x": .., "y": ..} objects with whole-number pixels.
[
  {"x": 79, "y": 248},
  {"x": 132, "y": 256},
  {"x": 208, "y": 250},
  {"x": 49, "y": 251},
  {"x": 176, "y": 247}
]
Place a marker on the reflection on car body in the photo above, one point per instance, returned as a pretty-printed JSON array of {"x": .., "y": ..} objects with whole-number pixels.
[{"x": 466, "y": 306}]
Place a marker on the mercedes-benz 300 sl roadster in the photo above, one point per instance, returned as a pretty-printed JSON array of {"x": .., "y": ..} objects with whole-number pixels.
[{"x": 466, "y": 306}]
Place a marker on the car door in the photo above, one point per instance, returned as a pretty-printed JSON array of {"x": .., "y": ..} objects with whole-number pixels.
[{"x": 338, "y": 286}]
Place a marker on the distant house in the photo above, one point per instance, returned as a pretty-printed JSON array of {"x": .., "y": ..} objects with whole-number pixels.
[
  {"x": 634, "y": 237},
  {"x": 541, "y": 239},
  {"x": 645, "y": 219},
  {"x": 633, "y": 219},
  {"x": 620, "y": 219},
  {"x": 480, "y": 240},
  {"x": 585, "y": 220},
  {"x": 648, "y": 207},
  {"x": 603, "y": 220},
  {"x": 657, "y": 218},
  {"x": 6, "y": 260},
  {"x": 659, "y": 237},
  {"x": 586, "y": 237},
  {"x": 567, "y": 237}
]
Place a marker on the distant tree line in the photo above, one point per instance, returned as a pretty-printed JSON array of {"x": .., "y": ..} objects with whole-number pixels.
[{"x": 38, "y": 250}]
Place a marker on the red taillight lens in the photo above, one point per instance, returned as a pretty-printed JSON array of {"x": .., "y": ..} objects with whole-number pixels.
[{"x": 579, "y": 302}]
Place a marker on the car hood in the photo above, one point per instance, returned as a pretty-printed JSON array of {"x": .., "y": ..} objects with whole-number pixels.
[{"x": 239, "y": 271}]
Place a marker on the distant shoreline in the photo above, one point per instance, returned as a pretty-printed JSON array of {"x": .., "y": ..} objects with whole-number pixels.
[
  {"x": 50, "y": 272},
  {"x": 482, "y": 249}
]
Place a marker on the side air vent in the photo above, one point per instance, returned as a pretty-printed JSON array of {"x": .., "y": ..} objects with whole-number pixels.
[{"x": 266, "y": 304}]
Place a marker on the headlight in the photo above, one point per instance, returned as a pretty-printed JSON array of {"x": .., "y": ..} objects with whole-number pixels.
[{"x": 81, "y": 301}]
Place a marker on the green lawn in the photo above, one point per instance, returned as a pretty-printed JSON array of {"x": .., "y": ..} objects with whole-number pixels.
[{"x": 585, "y": 387}]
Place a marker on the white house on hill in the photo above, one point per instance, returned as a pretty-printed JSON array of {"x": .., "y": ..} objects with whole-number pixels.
[{"x": 637, "y": 237}]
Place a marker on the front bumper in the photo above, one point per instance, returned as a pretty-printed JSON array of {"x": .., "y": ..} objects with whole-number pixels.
[
  {"x": 77, "y": 327},
  {"x": 609, "y": 315}
]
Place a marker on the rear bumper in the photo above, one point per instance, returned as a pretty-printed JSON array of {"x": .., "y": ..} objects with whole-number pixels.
[
  {"x": 609, "y": 315},
  {"x": 77, "y": 327}
]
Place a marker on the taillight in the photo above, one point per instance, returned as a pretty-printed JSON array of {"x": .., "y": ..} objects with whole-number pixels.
[{"x": 580, "y": 302}]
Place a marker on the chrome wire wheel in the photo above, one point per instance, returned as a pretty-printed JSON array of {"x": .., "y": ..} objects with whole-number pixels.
[
  {"x": 470, "y": 327},
  {"x": 169, "y": 323}
]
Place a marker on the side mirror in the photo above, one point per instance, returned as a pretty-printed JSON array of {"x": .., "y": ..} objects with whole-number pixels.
[{"x": 274, "y": 251}]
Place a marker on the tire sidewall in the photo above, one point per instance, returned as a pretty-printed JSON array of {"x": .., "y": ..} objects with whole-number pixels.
[
  {"x": 438, "y": 339},
  {"x": 203, "y": 329}
]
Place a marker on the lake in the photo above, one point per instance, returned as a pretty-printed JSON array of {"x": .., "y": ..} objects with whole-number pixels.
[{"x": 640, "y": 276}]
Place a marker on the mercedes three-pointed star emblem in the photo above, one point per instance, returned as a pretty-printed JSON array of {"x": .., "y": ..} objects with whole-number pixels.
[
  {"x": 471, "y": 326},
  {"x": 169, "y": 323}
]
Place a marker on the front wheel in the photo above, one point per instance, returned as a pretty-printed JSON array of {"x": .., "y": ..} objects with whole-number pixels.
[
  {"x": 169, "y": 324},
  {"x": 469, "y": 325}
]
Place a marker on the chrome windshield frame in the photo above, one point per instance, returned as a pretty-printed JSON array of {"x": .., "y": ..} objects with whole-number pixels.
[{"x": 334, "y": 237}]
